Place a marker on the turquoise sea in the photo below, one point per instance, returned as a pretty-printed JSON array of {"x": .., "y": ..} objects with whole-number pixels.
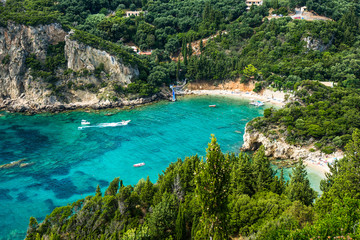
[{"x": 69, "y": 163}]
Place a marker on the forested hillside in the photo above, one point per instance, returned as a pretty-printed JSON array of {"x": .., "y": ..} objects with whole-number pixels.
[
  {"x": 226, "y": 195},
  {"x": 276, "y": 53}
]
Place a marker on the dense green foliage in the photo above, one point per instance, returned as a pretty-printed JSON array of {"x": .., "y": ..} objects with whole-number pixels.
[
  {"x": 28, "y": 12},
  {"x": 191, "y": 198},
  {"x": 324, "y": 116},
  {"x": 285, "y": 51},
  {"x": 194, "y": 199},
  {"x": 282, "y": 51}
]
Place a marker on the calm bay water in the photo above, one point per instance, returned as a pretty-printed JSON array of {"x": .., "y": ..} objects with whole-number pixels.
[{"x": 69, "y": 163}]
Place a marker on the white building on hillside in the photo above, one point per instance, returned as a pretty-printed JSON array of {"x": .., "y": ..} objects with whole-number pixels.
[{"x": 249, "y": 3}]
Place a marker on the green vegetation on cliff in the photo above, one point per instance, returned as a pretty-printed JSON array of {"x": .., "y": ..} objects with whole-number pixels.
[{"x": 322, "y": 115}]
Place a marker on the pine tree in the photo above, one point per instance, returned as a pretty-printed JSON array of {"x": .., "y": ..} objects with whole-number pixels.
[
  {"x": 299, "y": 186},
  {"x": 212, "y": 185},
  {"x": 201, "y": 46}
]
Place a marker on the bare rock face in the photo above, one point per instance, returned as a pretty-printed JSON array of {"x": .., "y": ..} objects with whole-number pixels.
[
  {"x": 279, "y": 149},
  {"x": 16, "y": 43},
  {"x": 316, "y": 44},
  {"x": 80, "y": 57}
]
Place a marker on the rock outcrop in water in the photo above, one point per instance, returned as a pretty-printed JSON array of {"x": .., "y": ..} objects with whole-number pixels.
[{"x": 74, "y": 85}]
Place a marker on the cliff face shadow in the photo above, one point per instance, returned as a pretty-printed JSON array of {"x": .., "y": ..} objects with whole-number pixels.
[{"x": 255, "y": 146}]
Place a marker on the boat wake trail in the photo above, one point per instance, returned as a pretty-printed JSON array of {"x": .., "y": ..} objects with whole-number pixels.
[{"x": 103, "y": 125}]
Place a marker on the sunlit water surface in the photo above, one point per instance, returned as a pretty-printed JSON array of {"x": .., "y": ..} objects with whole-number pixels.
[{"x": 69, "y": 163}]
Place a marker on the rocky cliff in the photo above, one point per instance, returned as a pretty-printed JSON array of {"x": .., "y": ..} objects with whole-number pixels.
[
  {"x": 16, "y": 43},
  {"x": 73, "y": 85},
  {"x": 80, "y": 57},
  {"x": 280, "y": 149}
]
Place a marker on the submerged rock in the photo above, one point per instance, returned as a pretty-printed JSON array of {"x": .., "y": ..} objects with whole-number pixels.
[{"x": 12, "y": 164}]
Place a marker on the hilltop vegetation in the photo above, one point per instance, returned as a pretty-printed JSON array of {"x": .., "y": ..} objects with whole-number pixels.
[{"x": 226, "y": 195}]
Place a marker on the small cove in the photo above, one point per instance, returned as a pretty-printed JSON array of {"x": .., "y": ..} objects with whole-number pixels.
[{"x": 69, "y": 163}]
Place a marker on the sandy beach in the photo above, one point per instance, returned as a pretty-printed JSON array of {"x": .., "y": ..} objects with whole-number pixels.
[
  {"x": 319, "y": 169},
  {"x": 267, "y": 96},
  {"x": 321, "y": 163}
]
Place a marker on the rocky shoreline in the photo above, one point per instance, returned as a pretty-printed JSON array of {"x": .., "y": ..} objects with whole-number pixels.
[
  {"x": 280, "y": 149},
  {"x": 23, "y": 106}
]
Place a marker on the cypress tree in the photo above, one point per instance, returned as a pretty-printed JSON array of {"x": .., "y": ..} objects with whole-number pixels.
[
  {"x": 178, "y": 68},
  {"x": 190, "y": 50},
  {"x": 185, "y": 55}
]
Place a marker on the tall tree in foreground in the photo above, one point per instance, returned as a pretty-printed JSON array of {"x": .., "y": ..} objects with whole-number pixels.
[
  {"x": 299, "y": 186},
  {"x": 212, "y": 189},
  {"x": 262, "y": 171}
]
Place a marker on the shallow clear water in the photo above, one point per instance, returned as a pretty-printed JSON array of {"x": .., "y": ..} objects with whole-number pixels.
[{"x": 69, "y": 163}]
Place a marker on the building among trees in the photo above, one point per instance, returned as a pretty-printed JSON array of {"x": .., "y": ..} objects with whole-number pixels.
[
  {"x": 249, "y": 3},
  {"x": 134, "y": 13}
]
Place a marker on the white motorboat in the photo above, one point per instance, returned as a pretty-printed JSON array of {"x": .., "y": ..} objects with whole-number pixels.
[
  {"x": 139, "y": 164},
  {"x": 84, "y": 122}
]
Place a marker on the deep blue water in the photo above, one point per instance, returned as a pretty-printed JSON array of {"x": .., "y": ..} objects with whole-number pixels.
[{"x": 70, "y": 163}]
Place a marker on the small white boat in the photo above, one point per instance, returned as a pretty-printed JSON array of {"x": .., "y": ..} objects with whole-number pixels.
[
  {"x": 212, "y": 105},
  {"x": 84, "y": 122},
  {"x": 139, "y": 164}
]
